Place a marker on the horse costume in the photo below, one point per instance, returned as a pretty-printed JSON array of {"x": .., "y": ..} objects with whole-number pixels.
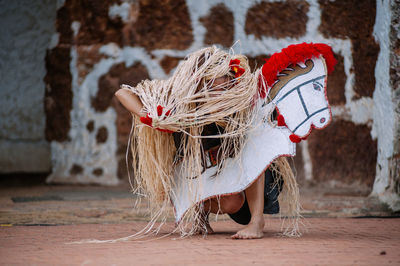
[{"x": 256, "y": 117}]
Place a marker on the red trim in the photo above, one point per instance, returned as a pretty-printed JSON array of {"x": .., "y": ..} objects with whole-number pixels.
[
  {"x": 294, "y": 138},
  {"x": 293, "y": 54},
  {"x": 281, "y": 121}
]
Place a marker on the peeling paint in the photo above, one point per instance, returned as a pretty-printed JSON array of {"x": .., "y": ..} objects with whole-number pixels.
[
  {"x": 384, "y": 118},
  {"x": 82, "y": 149}
]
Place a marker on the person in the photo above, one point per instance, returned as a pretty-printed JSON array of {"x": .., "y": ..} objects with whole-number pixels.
[
  {"x": 246, "y": 207},
  {"x": 193, "y": 130}
]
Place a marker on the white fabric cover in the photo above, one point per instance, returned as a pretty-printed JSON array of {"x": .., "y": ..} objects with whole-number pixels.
[{"x": 265, "y": 143}]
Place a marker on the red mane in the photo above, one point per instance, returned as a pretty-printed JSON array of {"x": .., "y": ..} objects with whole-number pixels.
[{"x": 294, "y": 54}]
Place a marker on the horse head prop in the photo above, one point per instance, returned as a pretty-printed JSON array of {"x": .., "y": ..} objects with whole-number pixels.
[{"x": 295, "y": 83}]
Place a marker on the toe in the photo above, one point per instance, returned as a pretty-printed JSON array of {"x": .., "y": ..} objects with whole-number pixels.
[{"x": 236, "y": 236}]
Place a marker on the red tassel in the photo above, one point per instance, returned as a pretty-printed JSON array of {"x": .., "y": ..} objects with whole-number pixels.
[
  {"x": 294, "y": 138},
  {"x": 149, "y": 121},
  {"x": 168, "y": 113},
  {"x": 146, "y": 120},
  {"x": 164, "y": 130},
  {"x": 281, "y": 120},
  {"x": 159, "y": 110}
]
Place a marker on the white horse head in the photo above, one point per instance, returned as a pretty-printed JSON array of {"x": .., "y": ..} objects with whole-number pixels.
[{"x": 299, "y": 95}]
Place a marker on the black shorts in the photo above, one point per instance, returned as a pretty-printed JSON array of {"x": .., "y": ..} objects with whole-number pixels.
[{"x": 271, "y": 204}]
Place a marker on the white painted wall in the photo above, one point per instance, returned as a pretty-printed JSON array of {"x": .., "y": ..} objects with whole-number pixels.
[{"x": 385, "y": 120}]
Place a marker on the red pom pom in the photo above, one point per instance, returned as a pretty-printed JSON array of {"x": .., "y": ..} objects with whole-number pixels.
[
  {"x": 294, "y": 138},
  {"x": 281, "y": 120}
]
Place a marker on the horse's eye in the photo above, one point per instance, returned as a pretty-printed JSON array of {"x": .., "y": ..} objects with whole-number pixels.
[{"x": 317, "y": 86}]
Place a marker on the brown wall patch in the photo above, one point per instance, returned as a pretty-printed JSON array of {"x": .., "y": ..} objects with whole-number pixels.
[
  {"x": 278, "y": 19},
  {"x": 90, "y": 126},
  {"x": 88, "y": 56},
  {"x": 58, "y": 95},
  {"x": 76, "y": 169},
  {"x": 258, "y": 61},
  {"x": 95, "y": 25},
  {"x": 169, "y": 62},
  {"x": 343, "y": 152},
  {"x": 109, "y": 83},
  {"x": 63, "y": 24},
  {"x": 107, "y": 86},
  {"x": 162, "y": 25},
  {"x": 355, "y": 20},
  {"x": 97, "y": 172},
  {"x": 336, "y": 83},
  {"x": 102, "y": 135},
  {"x": 219, "y": 25}
]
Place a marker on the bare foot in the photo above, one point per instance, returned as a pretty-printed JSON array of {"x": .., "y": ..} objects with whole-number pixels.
[{"x": 252, "y": 231}]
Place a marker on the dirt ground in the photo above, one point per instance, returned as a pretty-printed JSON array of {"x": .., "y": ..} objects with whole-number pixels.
[{"x": 38, "y": 224}]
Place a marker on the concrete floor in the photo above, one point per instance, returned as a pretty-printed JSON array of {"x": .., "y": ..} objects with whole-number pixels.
[{"x": 39, "y": 223}]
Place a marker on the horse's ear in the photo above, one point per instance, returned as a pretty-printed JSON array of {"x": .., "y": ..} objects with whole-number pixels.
[{"x": 292, "y": 55}]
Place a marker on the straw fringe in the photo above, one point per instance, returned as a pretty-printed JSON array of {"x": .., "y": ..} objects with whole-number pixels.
[{"x": 289, "y": 198}]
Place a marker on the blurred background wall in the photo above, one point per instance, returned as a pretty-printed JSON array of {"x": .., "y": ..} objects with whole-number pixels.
[
  {"x": 26, "y": 32},
  {"x": 62, "y": 61}
]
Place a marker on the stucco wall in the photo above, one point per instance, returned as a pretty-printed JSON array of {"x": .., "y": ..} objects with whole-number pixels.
[
  {"x": 101, "y": 44},
  {"x": 25, "y": 34},
  {"x": 386, "y": 126}
]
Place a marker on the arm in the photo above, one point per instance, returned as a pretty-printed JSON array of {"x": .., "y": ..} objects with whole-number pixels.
[
  {"x": 130, "y": 101},
  {"x": 134, "y": 105}
]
